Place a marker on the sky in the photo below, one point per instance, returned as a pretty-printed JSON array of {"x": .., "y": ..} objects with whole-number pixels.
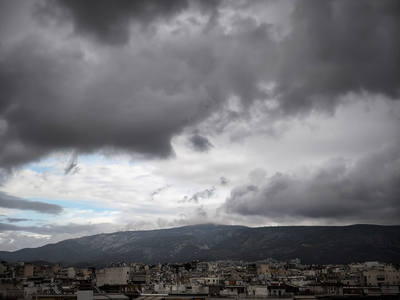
[{"x": 138, "y": 115}]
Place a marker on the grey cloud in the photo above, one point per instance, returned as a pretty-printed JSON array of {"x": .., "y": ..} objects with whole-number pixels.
[
  {"x": 71, "y": 228},
  {"x": 199, "y": 143},
  {"x": 200, "y": 212},
  {"x": 46, "y": 117},
  {"x": 337, "y": 47},
  {"x": 198, "y": 216},
  {"x": 12, "y": 202},
  {"x": 206, "y": 194},
  {"x": 16, "y": 220},
  {"x": 72, "y": 164},
  {"x": 223, "y": 180},
  {"x": 136, "y": 98},
  {"x": 109, "y": 21},
  {"x": 159, "y": 190},
  {"x": 366, "y": 191},
  {"x": 252, "y": 188}
]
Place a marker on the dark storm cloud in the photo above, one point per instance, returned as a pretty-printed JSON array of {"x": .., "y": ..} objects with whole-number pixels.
[
  {"x": 44, "y": 115},
  {"x": 7, "y": 201},
  {"x": 59, "y": 92},
  {"x": 49, "y": 229},
  {"x": 109, "y": 22},
  {"x": 336, "y": 47},
  {"x": 199, "y": 143},
  {"x": 367, "y": 190}
]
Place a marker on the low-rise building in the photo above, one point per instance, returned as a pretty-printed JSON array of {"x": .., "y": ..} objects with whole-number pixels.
[{"x": 113, "y": 275}]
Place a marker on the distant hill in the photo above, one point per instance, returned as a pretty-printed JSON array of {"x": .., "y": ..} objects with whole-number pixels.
[{"x": 312, "y": 244}]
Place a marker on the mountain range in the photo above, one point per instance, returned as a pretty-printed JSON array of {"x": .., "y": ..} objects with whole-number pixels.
[{"x": 311, "y": 244}]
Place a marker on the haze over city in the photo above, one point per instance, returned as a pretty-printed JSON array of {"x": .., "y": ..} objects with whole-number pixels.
[{"x": 136, "y": 115}]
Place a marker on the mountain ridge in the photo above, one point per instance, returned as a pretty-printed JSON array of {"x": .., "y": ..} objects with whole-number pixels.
[{"x": 312, "y": 244}]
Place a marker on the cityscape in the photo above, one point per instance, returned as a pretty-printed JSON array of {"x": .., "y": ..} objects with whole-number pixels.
[
  {"x": 199, "y": 149},
  {"x": 200, "y": 280},
  {"x": 257, "y": 263}
]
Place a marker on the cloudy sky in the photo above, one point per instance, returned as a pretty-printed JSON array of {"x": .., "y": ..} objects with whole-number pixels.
[{"x": 132, "y": 115}]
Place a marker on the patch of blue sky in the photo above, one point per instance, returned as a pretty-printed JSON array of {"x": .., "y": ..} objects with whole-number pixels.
[
  {"x": 42, "y": 165},
  {"x": 39, "y": 169}
]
